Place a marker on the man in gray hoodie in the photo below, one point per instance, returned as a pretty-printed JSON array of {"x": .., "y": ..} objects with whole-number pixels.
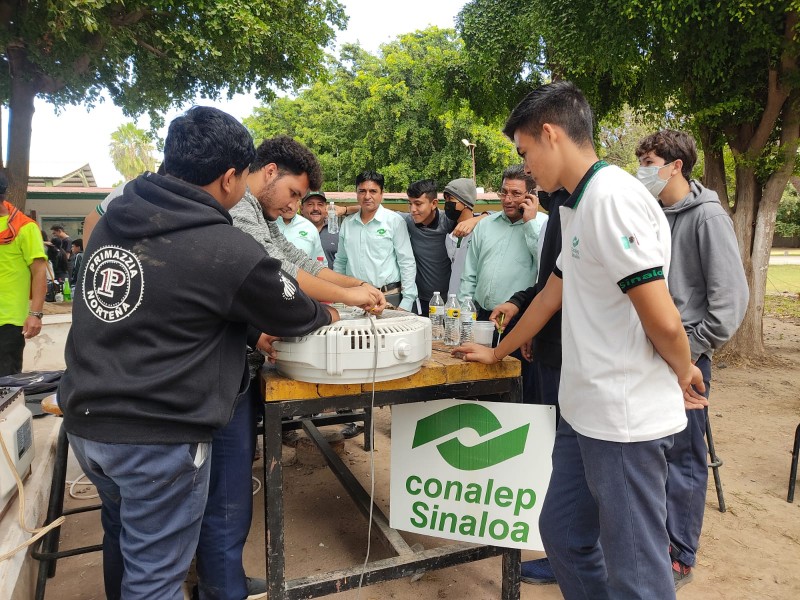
[{"x": 708, "y": 285}]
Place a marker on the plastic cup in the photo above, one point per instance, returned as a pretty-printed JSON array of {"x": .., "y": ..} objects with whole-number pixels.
[{"x": 483, "y": 332}]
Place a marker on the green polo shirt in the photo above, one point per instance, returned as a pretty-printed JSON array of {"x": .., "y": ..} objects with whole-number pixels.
[
  {"x": 503, "y": 259},
  {"x": 378, "y": 252},
  {"x": 302, "y": 233}
]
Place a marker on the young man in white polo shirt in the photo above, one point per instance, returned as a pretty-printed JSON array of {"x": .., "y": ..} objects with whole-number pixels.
[{"x": 621, "y": 401}]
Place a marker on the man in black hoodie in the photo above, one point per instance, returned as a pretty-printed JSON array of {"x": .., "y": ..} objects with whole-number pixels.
[{"x": 156, "y": 354}]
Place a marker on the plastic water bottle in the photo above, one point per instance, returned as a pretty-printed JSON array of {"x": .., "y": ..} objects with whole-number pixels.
[
  {"x": 67, "y": 291},
  {"x": 436, "y": 314},
  {"x": 333, "y": 220},
  {"x": 452, "y": 321},
  {"x": 469, "y": 314}
]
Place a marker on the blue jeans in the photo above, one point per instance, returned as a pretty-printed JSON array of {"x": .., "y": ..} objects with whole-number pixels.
[
  {"x": 687, "y": 480},
  {"x": 153, "y": 498},
  {"x": 615, "y": 494},
  {"x": 528, "y": 369},
  {"x": 229, "y": 511},
  {"x": 548, "y": 380}
]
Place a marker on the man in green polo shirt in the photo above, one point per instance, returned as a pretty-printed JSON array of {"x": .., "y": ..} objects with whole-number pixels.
[
  {"x": 374, "y": 245},
  {"x": 22, "y": 281},
  {"x": 504, "y": 255}
]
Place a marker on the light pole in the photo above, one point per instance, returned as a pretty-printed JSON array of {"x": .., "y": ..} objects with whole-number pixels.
[{"x": 471, "y": 147}]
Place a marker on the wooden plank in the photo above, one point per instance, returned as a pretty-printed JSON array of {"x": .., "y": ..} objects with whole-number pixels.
[{"x": 439, "y": 369}]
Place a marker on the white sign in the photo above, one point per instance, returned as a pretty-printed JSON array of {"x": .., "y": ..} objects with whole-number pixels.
[{"x": 471, "y": 471}]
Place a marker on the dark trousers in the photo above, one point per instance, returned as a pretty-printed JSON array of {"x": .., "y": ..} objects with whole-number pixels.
[
  {"x": 529, "y": 369},
  {"x": 687, "y": 480},
  {"x": 614, "y": 492},
  {"x": 12, "y": 343},
  {"x": 229, "y": 510},
  {"x": 421, "y": 307},
  {"x": 153, "y": 496}
]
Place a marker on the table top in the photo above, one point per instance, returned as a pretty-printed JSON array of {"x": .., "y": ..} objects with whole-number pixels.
[{"x": 441, "y": 368}]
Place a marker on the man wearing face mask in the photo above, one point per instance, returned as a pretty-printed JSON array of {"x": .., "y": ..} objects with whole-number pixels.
[
  {"x": 459, "y": 200},
  {"x": 428, "y": 228},
  {"x": 708, "y": 285}
]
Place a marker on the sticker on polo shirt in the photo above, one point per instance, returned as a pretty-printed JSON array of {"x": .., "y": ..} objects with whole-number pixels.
[
  {"x": 639, "y": 278},
  {"x": 303, "y": 233},
  {"x": 576, "y": 253},
  {"x": 628, "y": 241},
  {"x": 381, "y": 231}
]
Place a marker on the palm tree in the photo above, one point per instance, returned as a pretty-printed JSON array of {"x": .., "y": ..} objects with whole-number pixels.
[{"x": 132, "y": 151}]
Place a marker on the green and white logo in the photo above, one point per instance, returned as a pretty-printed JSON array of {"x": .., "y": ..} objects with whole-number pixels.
[
  {"x": 471, "y": 471},
  {"x": 303, "y": 233},
  {"x": 381, "y": 231},
  {"x": 479, "y": 419}
]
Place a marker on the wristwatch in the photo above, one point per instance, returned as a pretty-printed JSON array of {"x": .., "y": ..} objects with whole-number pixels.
[{"x": 38, "y": 315}]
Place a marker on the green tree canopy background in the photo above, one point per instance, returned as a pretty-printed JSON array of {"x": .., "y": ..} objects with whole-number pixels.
[
  {"x": 396, "y": 113},
  {"x": 728, "y": 70},
  {"x": 151, "y": 55}
]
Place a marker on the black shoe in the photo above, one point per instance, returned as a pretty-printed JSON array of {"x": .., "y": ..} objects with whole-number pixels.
[
  {"x": 351, "y": 430},
  {"x": 256, "y": 586}
]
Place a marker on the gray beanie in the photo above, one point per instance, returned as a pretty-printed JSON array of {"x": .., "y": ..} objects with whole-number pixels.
[{"x": 464, "y": 191}]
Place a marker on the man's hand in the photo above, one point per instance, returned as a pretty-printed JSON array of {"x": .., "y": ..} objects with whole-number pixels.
[
  {"x": 529, "y": 207},
  {"x": 526, "y": 350},
  {"x": 380, "y": 305},
  {"x": 265, "y": 345},
  {"x": 341, "y": 211},
  {"x": 692, "y": 386},
  {"x": 363, "y": 296},
  {"x": 31, "y": 327},
  {"x": 506, "y": 308},
  {"x": 464, "y": 228},
  {"x": 472, "y": 352}
]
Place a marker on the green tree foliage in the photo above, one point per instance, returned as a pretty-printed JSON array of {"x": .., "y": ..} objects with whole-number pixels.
[
  {"x": 395, "y": 113},
  {"x": 148, "y": 56},
  {"x": 132, "y": 150},
  {"x": 729, "y": 69}
]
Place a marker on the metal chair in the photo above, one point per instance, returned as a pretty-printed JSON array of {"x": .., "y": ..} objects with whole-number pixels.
[{"x": 48, "y": 553}]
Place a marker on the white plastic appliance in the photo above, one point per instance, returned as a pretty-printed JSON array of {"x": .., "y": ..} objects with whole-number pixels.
[
  {"x": 16, "y": 427},
  {"x": 344, "y": 352}
]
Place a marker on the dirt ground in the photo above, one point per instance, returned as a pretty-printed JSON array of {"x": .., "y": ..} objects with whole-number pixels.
[{"x": 750, "y": 552}]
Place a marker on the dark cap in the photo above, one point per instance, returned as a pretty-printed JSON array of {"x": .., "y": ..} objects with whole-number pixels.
[{"x": 310, "y": 195}]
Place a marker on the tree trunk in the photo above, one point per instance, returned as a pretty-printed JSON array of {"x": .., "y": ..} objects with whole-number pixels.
[
  {"x": 19, "y": 139},
  {"x": 714, "y": 177},
  {"x": 746, "y": 206},
  {"x": 748, "y": 342}
]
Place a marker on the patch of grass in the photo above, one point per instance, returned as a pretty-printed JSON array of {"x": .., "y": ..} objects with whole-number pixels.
[
  {"x": 785, "y": 252},
  {"x": 783, "y": 278},
  {"x": 783, "y": 306}
]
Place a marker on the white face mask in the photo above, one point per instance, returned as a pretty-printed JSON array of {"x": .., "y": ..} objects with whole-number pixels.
[{"x": 650, "y": 179}]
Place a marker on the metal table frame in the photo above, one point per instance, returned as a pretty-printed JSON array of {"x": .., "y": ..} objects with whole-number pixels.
[{"x": 408, "y": 562}]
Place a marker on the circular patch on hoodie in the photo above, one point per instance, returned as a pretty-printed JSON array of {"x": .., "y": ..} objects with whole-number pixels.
[{"x": 113, "y": 283}]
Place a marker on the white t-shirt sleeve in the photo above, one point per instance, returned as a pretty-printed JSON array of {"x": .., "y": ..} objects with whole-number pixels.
[{"x": 626, "y": 238}]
